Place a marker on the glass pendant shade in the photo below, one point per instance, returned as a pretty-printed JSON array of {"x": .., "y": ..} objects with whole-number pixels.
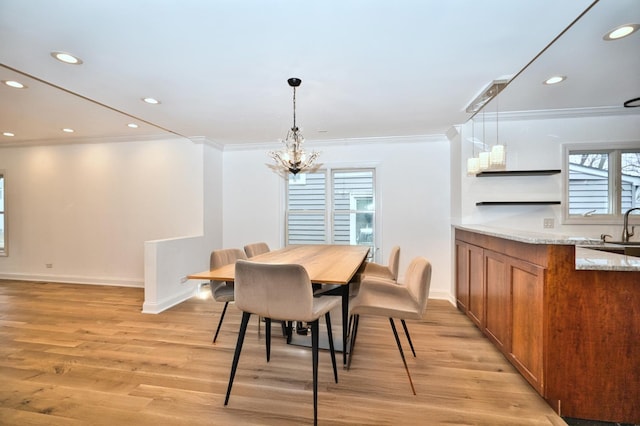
[
  {"x": 498, "y": 156},
  {"x": 483, "y": 159},
  {"x": 473, "y": 166}
]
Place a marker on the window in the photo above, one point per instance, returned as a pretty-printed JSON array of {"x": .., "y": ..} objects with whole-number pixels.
[
  {"x": 602, "y": 183},
  {"x": 331, "y": 207},
  {"x": 3, "y": 244}
]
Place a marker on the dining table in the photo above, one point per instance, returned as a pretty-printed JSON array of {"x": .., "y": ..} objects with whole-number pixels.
[{"x": 326, "y": 264}]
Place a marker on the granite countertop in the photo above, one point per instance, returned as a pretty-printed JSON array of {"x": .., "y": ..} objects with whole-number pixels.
[
  {"x": 589, "y": 259},
  {"x": 586, "y": 258},
  {"x": 529, "y": 236}
]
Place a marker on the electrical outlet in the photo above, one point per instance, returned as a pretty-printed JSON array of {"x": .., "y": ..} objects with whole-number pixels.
[
  {"x": 48, "y": 265},
  {"x": 548, "y": 223}
]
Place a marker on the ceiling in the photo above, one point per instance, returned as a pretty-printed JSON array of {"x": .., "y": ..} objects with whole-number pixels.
[{"x": 369, "y": 68}]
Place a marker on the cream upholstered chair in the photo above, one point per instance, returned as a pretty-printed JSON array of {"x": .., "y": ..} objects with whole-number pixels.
[
  {"x": 371, "y": 270},
  {"x": 255, "y": 249},
  {"x": 385, "y": 298},
  {"x": 222, "y": 291},
  {"x": 281, "y": 291},
  {"x": 252, "y": 250},
  {"x": 389, "y": 271}
]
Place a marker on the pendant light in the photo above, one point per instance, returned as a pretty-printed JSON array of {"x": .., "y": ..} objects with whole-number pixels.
[
  {"x": 498, "y": 156},
  {"x": 292, "y": 158},
  {"x": 473, "y": 163}
]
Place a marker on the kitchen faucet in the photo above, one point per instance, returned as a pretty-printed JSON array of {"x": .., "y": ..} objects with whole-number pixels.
[{"x": 625, "y": 226}]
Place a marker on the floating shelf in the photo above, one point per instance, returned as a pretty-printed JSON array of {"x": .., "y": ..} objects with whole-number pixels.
[
  {"x": 515, "y": 203},
  {"x": 518, "y": 172}
]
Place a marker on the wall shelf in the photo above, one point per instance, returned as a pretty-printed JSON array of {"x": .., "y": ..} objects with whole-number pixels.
[
  {"x": 515, "y": 203},
  {"x": 518, "y": 172}
]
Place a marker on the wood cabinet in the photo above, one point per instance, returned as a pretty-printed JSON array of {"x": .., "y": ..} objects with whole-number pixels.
[
  {"x": 502, "y": 296},
  {"x": 470, "y": 282},
  {"x": 527, "y": 284},
  {"x": 573, "y": 335},
  {"x": 498, "y": 297}
]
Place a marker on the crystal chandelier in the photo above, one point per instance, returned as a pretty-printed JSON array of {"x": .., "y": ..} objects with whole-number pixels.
[{"x": 292, "y": 157}]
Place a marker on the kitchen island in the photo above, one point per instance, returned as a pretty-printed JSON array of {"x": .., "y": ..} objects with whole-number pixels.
[{"x": 566, "y": 316}]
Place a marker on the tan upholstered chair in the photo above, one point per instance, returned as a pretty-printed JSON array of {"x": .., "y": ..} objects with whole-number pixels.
[
  {"x": 371, "y": 270},
  {"x": 385, "y": 298},
  {"x": 255, "y": 249},
  {"x": 281, "y": 291},
  {"x": 389, "y": 271},
  {"x": 252, "y": 250},
  {"x": 222, "y": 291}
]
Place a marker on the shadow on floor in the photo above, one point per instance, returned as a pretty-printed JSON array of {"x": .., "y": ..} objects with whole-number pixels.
[{"x": 581, "y": 422}]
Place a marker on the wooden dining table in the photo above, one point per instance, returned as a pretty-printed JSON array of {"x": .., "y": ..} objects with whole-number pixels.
[{"x": 325, "y": 264}]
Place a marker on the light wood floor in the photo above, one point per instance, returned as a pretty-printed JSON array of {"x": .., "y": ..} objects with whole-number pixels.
[{"x": 85, "y": 355}]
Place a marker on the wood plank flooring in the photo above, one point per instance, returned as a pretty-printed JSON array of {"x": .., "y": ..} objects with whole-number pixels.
[{"x": 85, "y": 355}]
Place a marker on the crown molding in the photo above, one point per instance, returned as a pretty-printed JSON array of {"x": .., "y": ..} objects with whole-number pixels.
[
  {"x": 545, "y": 114},
  {"x": 88, "y": 140},
  {"x": 317, "y": 143}
]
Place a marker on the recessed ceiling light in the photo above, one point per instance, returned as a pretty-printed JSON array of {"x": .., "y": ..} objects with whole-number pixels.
[
  {"x": 132, "y": 125},
  {"x": 67, "y": 130},
  {"x": 14, "y": 84},
  {"x": 621, "y": 31},
  {"x": 555, "y": 79},
  {"x": 67, "y": 58},
  {"x": 8, "y": 134},
  {"x": 151, "y": 101}
]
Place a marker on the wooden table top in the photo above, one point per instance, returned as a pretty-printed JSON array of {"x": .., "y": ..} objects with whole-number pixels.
[{"x": 331, "y": 264}]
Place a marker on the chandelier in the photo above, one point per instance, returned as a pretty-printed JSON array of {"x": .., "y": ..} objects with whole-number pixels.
[{"x": 292, "y": 157}]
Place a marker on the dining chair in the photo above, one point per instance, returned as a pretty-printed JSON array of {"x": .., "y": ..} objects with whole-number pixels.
[
  {"x": 255, "y": 249},
  {"x": 281, "y": 291},
  {"x": 388, "y": 271},
  {"x": 252, "y": 250},
  {"x": 222, "y": 291},
  {"x": 372, "y": 270},
  {"x": 385, "y": 298}
]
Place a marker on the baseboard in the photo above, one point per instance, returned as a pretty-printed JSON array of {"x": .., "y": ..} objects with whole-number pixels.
[
  {"x": 163, "y": 305},
  {"x": 72, "y": 279}
]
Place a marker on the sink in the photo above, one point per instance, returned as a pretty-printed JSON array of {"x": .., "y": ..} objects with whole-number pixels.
[
  {"x": 625, "y": 243},
  {"x": 618, "y": 250},
  {"x": 628, "y": 249}
]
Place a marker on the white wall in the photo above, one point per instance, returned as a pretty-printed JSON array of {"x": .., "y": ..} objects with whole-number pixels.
[
  {"x": 87, "y": 209},
  {"x": 412, "y": 175},
  {"x": 168, "y": 261},
  {"x": 536, "y": 143}
]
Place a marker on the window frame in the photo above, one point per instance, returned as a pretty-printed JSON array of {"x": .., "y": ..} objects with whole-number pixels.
[
  {"x": 614, "y": 181},
  {"x": 330, "y": 211}
]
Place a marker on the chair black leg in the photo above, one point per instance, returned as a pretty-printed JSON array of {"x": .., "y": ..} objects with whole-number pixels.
[
  {"x": 327, "y": 318},
  {"x": 354, "y": 333},
  {"x": 289, "y": 331},
  {"x": 395, "y": 334},
  {"x": 314, "y": 351},
  {"x": 406, "y": 332},
  {"x": 267, "y": 332},
  {"x": 236, "y": 355},
  {"x": 224, "y": 310}
]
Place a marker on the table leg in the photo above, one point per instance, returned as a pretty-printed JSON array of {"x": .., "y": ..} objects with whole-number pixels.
[{"x": 345, "y": 322}]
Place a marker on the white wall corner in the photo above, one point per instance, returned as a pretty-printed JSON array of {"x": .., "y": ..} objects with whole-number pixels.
[
  {"x": 205, "y": 141},
  {"x": 167, "y": 264}
]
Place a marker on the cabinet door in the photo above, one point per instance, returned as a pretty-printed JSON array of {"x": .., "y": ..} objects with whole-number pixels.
[
  {"x": 527, "y": 284},
  {"x": 498, "y": 300},
  {"x": 476, "y": 286},
  {"x": 462, "y": 276}
]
